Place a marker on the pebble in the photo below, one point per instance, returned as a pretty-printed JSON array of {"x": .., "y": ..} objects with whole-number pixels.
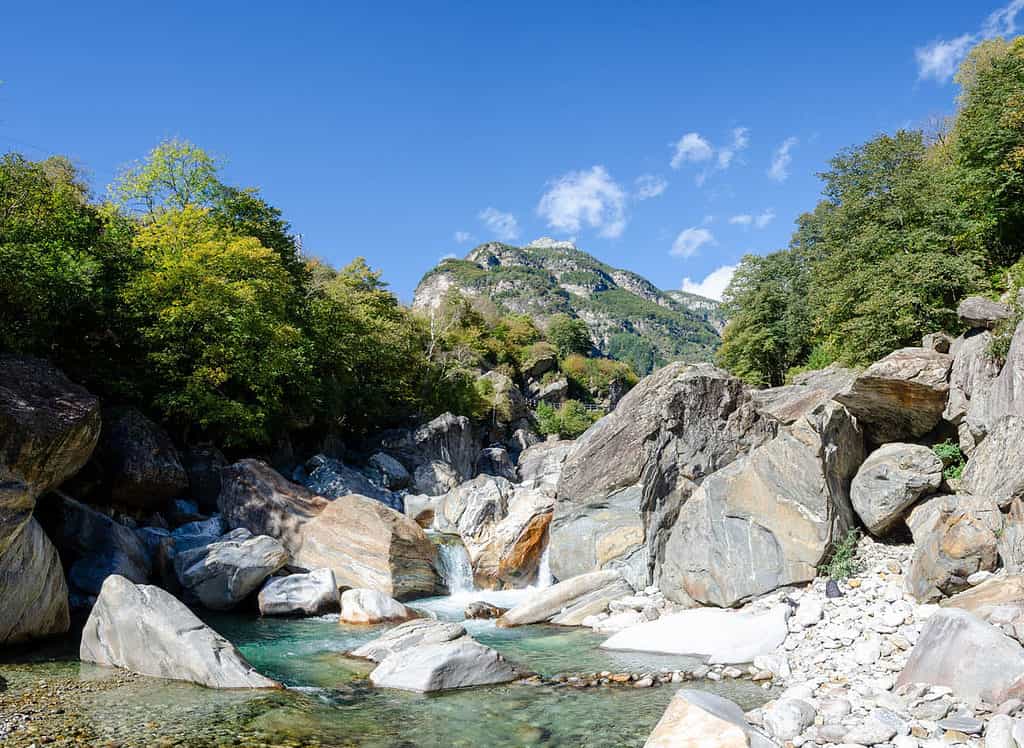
[{"x": 966, "y": 725}]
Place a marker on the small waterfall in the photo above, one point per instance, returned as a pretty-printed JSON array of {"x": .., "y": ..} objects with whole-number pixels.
[
  {"x": 544, "y": 577},
  {"x": 454, "y": 566}
]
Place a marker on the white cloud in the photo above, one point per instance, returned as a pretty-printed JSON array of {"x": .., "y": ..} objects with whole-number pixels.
[
  {"x": 781, "y": 159},
  {"x": 690, "y": 240},
  {"x": 713, "y": 285},
  {"x": 740, "y": 140},
  {"x": 463, "y": 236},
  {"x": 764, "y": 218},
  {"x": 744, "y": 219},
  {"x": 502, "y": 225},
  {"x": 449, "y": 256},
  {"x": 585, "y": 198},
  {"x": 940, "y": 59},
  {"x": 647, "y": 186},
  {"x": 691, "y": 147}
]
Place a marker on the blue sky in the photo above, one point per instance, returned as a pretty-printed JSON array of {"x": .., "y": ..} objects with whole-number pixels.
[{"x": 668, "y": 138}]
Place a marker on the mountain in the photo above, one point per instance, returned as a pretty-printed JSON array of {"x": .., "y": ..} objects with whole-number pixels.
[{"x": 629, "y": 317}]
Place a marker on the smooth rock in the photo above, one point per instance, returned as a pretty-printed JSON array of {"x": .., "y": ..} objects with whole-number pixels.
[
  {"x": 332, "y": 478},
  {"x": 495, "y": 461},
  {"x": 389, "y": 472},
  {"x": 901, "y": 396},
  {"x": 787, "y": 718},
  {"x": 33, "y": 592},
  {"x": 996, "y": 466},
  {"x": 440, "y": 454},
  {"x": 622, "y": 486},
  {"x": 570, "y": 600},
  {"x": 372, "y": 607},
  {"x": 483, "y": 610},
  {"x": 540, "y": 465},
  {"x": 698, "y": 719},
  {"x": 146, "y": 630},
  {"x": 141, "y": 465},
  {"x": 222, "y": 574},
  {"x": 977, "y": 311},
  {"x": 409, "y": 636},
  {"x": 890, "y": 481},
  {"x": 999, "y": 732},
  {"x": 959, "y": 650},
  {"x": 714, "y": 635},
  {"x": 461, "y": 663},
  {"x": 308, "y": 594},
  {"x": 789, "y": 403}
]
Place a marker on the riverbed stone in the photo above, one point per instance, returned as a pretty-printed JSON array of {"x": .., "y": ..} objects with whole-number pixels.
[
  {"x": 787, "y": 718},
  {"x": 714, "y": 635},
  {"x": 147, "y": 631},
  {"x": 902, "y": 396},
  {"x": 461, "y": 663},
  {"x": 368, "y": 545},
  {"x": 362, "y": 606},
  {"x": 622, "y": 485},
  {"x": 310, "y": 594},
  {"x": 769, "y": 518},
  {"x": 890, "y": 481},
  {"x": 954, "y": 537},
  {"x": 222, "y": 574},
  {"x": 698, "y": 719},
  {"x": 409, "y": 636},
  {"x": 569, "y": 601},
  {"x": 958, "y": 650},
  {"x": 978, "y": 311}
]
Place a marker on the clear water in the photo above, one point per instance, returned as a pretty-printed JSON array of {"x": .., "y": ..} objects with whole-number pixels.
[{"x": 330, "y": 703}]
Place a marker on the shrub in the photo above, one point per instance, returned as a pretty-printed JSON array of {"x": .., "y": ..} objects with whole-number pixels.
[
  {"x": 843, "y": 562},
  {"x": 953, "y": 460},
  {"x": 569, "y": 420}
]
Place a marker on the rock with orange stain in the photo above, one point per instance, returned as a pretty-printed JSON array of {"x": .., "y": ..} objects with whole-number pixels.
[{"x": 697, "y": 719}]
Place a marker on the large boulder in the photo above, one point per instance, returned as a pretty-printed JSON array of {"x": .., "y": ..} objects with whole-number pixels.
[
  {"x": 622, "y": 485},
  {"x": 372, "y": 607},
  {"x": 495, "y": 461},
  {"x": 310, "y": 594},
  {"x": 461, "y": 663},
  {"x": 93, "y": 546},
  {"x": 48, "y": 430},
  {"x": 891, "y": 480},
  {"x": 971, "y": 378},
  {"x": 331, "y": 478},
  {"x": 807, "y": 391},
  {"x": 999, "y": 597},
  {"x": 440, "y": 454},
  {"x": 960, "y": 651},
  {"x": 147, "y": 631},
  {"x": 979, "y": 312},
  {"x": 901, "y": 396},
  {"x": 954, "y": 537},
  {"x": 409, "y": 636},
  {"x": 140, "y": 462},
  {"x": 258, "y": 498},
  {"x": 222, "y": 574},
  {"x": 203, "y": 464},
  {"x": 366, "y": 544},
  {"x": 996, "y": 466},
  {"x": 769, "y": 519},
  {"x": 698, "y": 719},
  {"x": 540, "y": 465},
  {"x": 503, "y": 527},
  {"x": 711, "y": 634},
  {"x": 568, "y": 603},
  {"x": 387, "y": 471},
  {"x": 33, "y": 593},
  {"x": 1006, "y": 397}
]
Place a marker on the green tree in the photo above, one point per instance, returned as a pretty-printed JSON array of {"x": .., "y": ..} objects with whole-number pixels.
[
  {"x": 568, "y": 335},
  {"x": 173, "y": 176}
]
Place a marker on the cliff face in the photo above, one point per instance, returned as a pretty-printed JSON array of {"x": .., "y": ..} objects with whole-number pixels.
[{"x": 628, "y": 316}]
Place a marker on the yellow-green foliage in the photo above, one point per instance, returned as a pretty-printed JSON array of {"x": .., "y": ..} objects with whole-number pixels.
[{"x": 596, "y": 375}]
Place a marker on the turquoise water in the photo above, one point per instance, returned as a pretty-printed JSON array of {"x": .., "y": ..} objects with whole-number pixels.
[{"x": 330, "y": 703}]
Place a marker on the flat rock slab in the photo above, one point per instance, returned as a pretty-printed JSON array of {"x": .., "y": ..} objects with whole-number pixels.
[
  {"x": 697, "y": 719},
  {"x": 544, "y": 605},
  {"x": 712, "y": 634},
  {"x": 148, "y": 631},
  {"x": 461, "y": 663},
  {"x": 407, "y": 636}
]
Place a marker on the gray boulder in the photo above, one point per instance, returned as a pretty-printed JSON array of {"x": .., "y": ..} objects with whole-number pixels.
[
  {"x": 891, "y": 480},
  {"x": 48, "y": 429},
  {"x": 147, "y": 631},
  {"x": 807, "y": 391},
  {"x": 1006, "y": 396},
  {"x": 332, "y": 478},
  {"x": 622, "y": 485},
  {"x": 388, "y": 471},
  {"x": 977, "y": 311},
  {"x": 568, "y": 603},
  {"x": 439, "y": 454},
  {"x": 140, "y": 461},
  {"x": 495, "y": 461},
  {"x": 412, "y": 635},
  {"x": 971, "y": 378},
  {"x": 937, "y": 341},
  {"x": 372, "y": 607},
  {"x": 962, "y": 652},
  {"x": 954, "y": 537},
  {"x": 222, "y": 574},
  {"x": 311, "y": 594},
  {"x": 699, "y": 719},
  {"x": 197, "y": 534},
  {"x": 462, "y": 663},
  {"x": 769, "y": 519},
  {"x": 203, "y": 465},
  {"x": 996, "y": 466},
  {"x": 540, "y": 465},
  {"x": 93, "y": 546},
  {"x": 901, "y": 396}
]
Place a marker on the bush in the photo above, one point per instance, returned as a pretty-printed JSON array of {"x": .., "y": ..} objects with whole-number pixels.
[
  {"x": 568, "y": 421},
  {"x": 843, "y": 562},
  {"x": 953, "y": 460}
]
